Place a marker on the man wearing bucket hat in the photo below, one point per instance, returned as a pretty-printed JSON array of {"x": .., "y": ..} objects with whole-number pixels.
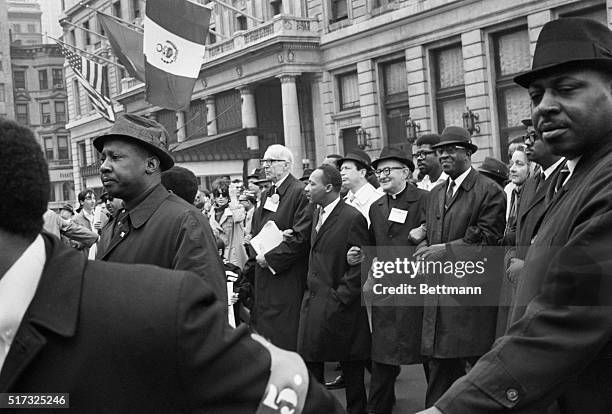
[
  {"x": 466, "y": 211},
  {"x": 156, "y": 226},
  {"x": 558, "y": 348}
]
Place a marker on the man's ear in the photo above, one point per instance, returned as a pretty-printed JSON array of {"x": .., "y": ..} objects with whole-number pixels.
[{"x": 152, "y": 165}]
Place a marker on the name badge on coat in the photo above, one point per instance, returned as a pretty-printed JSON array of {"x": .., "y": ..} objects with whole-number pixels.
[
  {"x": 272, "y": 203},
  {"x": 398, "y": 215}
]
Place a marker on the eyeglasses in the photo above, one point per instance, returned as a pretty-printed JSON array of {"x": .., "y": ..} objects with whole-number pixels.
[
  {"x": 423, "y": 153},
  {"x": 270, "y": 161},
  {"x": 530, "y": 138},
  {"x": 387, "y": 170},
  {"x": 449, "y": 149}
]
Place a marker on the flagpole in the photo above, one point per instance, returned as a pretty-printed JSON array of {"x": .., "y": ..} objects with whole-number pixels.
[
  {"x": 238, "y": 11},
  {"x": 88, "y": 53},
  {"x": 87, "y": 30}
]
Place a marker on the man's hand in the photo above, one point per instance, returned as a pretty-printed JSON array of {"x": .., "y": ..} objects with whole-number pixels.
[
  {"x": 288, "y": 234},
  {"x": 418, "y": 234},
  {"x": 430, "y": 410},
  {"x": 233, "y": 298},
  {"x": 261, "y": 260},
  {"x": 433, "y": 252},
  {"x": 354, "y": 256},
  {"x": 514, "y": 269}
]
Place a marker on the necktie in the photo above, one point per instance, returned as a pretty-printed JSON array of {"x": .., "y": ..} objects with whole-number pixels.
[
  {"x": 319, "y": 220},
  {"x": 563, "y": 174},
  {"x": 449, "y": 193}
]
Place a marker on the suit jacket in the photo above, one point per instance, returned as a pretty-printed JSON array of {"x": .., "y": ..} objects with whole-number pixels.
[
  {"x": 277, "y": 298},
  {"x": 139, "y": 339},
  {"x": 166, "y": 231},
  {"x": 396, "y": 327},
  {"x": 333, "y": 324},
  {"x": 559, "y": 345},
  {"x": 474, "y": 218}
]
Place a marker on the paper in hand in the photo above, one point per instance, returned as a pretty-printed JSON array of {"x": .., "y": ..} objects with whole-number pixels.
[{"x": 268, "y": 238}]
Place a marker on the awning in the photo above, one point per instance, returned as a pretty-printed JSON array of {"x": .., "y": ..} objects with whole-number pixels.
[{"x": 229, "y": 145}]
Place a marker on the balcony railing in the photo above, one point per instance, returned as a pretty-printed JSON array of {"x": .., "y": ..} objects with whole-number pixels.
[
  {"x": 279, "y": 26},
  {"x": 91, "y": 170}
]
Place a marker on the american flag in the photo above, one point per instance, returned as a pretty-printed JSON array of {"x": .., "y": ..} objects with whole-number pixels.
[{"x": 93, "y": 77}]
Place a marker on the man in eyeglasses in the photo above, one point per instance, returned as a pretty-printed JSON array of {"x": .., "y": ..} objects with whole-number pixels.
[
  {"x": 428, "y": 163},
  {"x": 280, "y": 274},
  {"x": 467, "y": 211}
]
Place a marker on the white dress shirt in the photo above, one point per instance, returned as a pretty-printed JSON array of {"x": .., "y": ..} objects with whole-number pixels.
[
  {"x": 427, "y": 185},
  {"x": 326, "y": 211},
  {"x": 363, "y": 199},
  {"x": 17, "y": 289},
  {"x": 458, "y": 180},
  {"x": 547, "y": 172}
]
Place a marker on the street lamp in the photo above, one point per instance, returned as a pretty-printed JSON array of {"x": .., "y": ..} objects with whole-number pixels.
[
  {"x": 470, "y": 121},
  {"x": 412, "y": 130},
  {"x": 362, "y": 138}
]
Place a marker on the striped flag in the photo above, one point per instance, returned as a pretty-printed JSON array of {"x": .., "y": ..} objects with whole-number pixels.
[
  {"x": 174, "y": 35},
  {"x": 94, "y": 78}
]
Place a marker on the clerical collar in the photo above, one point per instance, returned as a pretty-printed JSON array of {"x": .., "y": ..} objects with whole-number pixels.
[{"x": 394, "y": 196}]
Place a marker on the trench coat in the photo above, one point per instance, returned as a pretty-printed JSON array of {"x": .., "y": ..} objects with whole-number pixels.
[
  {"x": 333, "y": 323},
  {"x": 396, "y": 329},
  {"x": 141, "y": 339},
  {"x": 559, "y": 345},
  {"x": 475, "y": 217},
  {"x": 229, "y": 229},
  {"x": 278, "y": 297},
  {"x": 165, "y": 230}
]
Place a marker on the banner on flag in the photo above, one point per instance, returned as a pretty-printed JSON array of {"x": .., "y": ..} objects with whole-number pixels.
[
  {"x": 126, "y": 44},
  {"x": 174, "y": 36},
  {"x": 94, "y": 79}
]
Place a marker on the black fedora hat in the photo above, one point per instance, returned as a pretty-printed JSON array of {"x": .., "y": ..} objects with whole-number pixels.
[
  {"x": 457, "y": 136},
  {"x": 359, "y": 156},
  {"x": 306, "y": 175},
  {"x": 392, "y": 153},
  {"x": 566, "y": 42},
  {"x": 527, "y": 122},
  {"x": 141, "y": 131},
  {"x": 494, "y": 168}
]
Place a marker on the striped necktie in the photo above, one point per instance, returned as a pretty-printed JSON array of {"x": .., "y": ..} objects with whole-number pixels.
[{"x": 449, "y": 193}]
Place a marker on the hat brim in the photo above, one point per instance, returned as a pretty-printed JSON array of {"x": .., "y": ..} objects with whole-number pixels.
[
  {"x": 466, "y": 145},
  {"x": 165, "y": 160},
  {"x": 358, "y": 161},
  {"x": 493, "y": 174},
  {"x": 526, "y": 78},
  {"x": 408, "y": 163}
]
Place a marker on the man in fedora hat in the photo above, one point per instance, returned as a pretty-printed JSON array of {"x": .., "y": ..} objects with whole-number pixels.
[
  {"x": 156, "y": 226},
  {"x": 495, "y": 169},
  {"x": 354, "y": 168},
  {"x": 559, "y": 344},
  {"x": 466, "y": 211},
  {"x": 428, "y": 163},
  {"x": 396, "y": 329}
]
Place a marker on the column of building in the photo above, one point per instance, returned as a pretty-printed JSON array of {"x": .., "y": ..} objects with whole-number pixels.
[
  {"x": 326, "y": 93},
  {"x": 291, "y": 121},
  {"x": 249, "y": 123},
  {"x": 418, "y": 88},
  {"x": 181, "y": 133},
  {"x": 368, "y": 105},
  {"x": 477, "y": 90},
  {"x": 318, "y": 120}
]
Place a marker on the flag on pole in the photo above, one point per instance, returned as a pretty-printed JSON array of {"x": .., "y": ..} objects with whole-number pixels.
[
  {"x": 126, "y": 44},
  {"x": 174, "y": 36},
  {"x": 94, "y": 78}
]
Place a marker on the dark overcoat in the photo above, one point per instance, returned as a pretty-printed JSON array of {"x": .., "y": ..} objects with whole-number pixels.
[
  {"x": 396, "y": 329},
  {"x": 141, "y": 339},
  {"x": 166, "y": 231},
  {"x": 278, "y": 297},
  {"x": 559, "y": 345},
  {"x": 475, "y": 217},
  {"x": 333, "y": 323}
]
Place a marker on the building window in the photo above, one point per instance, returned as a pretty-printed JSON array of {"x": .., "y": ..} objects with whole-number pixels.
[
  {"x": 511, "y": 54},
  {"x": 52, "y": 192},
  {"x": 229, "y": 115},
  {"x": 31, "y": 28},
  {"x": 58, "y": 78},
  {"x": 136, "y": 8},
  {"x": 117, "y": 9},
  {"x": 19, "y": 79},
  {"x": 72, "y": 38},
  {"x": 21, "y": 111},
  {"x": 43, "y": 81},
  {"x": 86, "y": 34},
  {"x": 167, "y": 118},
  {"x": 60, "y": 111},
  {"x": 339, "y": 10},
  {"x": 67, "y": 190},
  {"x": 276, "y": 6},
  {"x": 241, "y": 22},
  {"x": 48, "y": 141},
  {"x": 82, "y": 154},
  {"x": 62, "y": 147},
  {"x": 348, "y": 91},
  {"x": 16, "y": 28},
  {"x": 450, "y": 89},
  {"x": 395, "y": 103},
  {"x": 45, "y": 113},
  {"x": 2, "y": 93},
  {"x": 195, "y": 122},
  {"x": 76, "y": 95}
]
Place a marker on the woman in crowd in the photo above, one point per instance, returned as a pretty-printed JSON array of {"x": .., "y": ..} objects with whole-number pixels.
[{"x": 226, "y": 220}]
